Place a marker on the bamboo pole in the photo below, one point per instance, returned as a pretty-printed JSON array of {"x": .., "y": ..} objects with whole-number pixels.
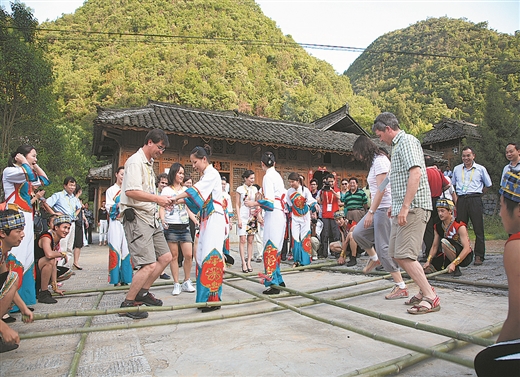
[
  {"x": 475, "y": 283},
  {"x": 81, "y": 345},
  {"x": 136, "y": 324},
  {"x": 94, "y": 312},
  {"x": 398, "y": 364},
  {"x": 452, "y": 358}
]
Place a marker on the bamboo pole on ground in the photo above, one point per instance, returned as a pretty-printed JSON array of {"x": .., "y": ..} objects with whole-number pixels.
[
  {"x": 94, "y": 312},
  {"x": 398, "y": 364},
  {"x": 475, "y": 283},
  {"x": 136, "y": 324},
  {"x": 452, "y": 358},
  {"x": 81, "y": 345}
]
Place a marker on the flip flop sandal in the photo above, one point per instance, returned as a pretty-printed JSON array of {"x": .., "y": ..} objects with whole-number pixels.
[{"x": 421, "y": 309}]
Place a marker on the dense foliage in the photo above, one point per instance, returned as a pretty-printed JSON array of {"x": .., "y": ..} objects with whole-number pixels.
[
  {"x": 209, "y": 54},
  {"x": 439, "y": 68},
  {"x": 28, "y": 111}
]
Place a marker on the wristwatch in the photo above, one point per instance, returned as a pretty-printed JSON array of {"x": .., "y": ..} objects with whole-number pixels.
[{"x": 369, "y": 210}]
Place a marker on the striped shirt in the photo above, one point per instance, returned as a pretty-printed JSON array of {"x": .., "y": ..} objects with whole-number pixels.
[
  {"x": 354, "y": 200},
  {"x": 406, "y": 154}
]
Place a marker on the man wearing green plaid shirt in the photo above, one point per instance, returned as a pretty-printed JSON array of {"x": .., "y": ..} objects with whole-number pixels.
[{"x": 411, "y": 207}]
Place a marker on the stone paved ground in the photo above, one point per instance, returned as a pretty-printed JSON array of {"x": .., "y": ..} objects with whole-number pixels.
[{"x": 239, "y": 343}]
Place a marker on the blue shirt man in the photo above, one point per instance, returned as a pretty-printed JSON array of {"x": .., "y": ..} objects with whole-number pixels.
[{"x": 471, "y": 180}]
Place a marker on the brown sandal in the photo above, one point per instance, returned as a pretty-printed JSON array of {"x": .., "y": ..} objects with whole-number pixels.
[
  {"x": 422, "y": 309},
  {"x": 414, "y": 300}
]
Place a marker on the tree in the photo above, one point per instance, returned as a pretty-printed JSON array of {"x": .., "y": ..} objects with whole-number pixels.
[
  {"x": 497, "y": 130},
  {"x": 25, "y": 80}
]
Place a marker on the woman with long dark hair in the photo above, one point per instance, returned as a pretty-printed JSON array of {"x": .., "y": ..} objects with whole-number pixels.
[
  {"x": 205, "y": 198},
  {"x": 19, "y": 178},
  {"x": 247, "y": 222},
  {"x": 376, "y": 220},
  {"x": 176, "y": 224},
  {"x": 274, "y": 222}
]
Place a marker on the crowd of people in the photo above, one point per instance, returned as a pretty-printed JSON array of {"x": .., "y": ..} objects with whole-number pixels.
[{"x": 151, "y": 222}]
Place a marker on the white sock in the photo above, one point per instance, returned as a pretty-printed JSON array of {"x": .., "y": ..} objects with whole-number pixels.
[
  {"x": 374, "y": 258},
  {"x": 401, "y": 285}
]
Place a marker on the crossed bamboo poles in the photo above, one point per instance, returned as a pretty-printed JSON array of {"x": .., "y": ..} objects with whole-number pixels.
[{"x": 440, "y": 351}]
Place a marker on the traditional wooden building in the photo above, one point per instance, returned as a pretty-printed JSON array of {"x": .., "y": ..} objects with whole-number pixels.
[
  {"x": 237, "y": 140},
  {"x": 449, "y": 136}
]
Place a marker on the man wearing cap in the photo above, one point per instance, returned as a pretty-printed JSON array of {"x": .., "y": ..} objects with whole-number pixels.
[
  {"x": 411, "y": 207},
  {"x": 340, "y": 247},
  {"x": 451, "y": 246},
  {"x": 501, "y": 359},
  {"x": 471, "y": 180},
  {"x": 138, "y": 203},
  {"x": 11, "y": 235},
  {"x": 47, "y": 251},
  {"x": 65, "y": 202}
]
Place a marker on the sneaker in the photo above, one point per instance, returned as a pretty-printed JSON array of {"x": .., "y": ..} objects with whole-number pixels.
[
  {"x": 397, "y": 293},
  {"x": 258, "y": 260},
  {"x": 380, "y": 268},
  {"x": 187, "y": 286},
  {"x": 45, "y": 297},
  {"x": 271, "y": 291},
  {"x": 352, "y": 262},
  {"x": 164, "y": 276},
  {"x": 133, "y": 315},
  {"x": 148, "y": 299},
  {"x": 290, "y": 257},
  {"x": 478, "y": 261},
  {"x": 208, "y": 309},
  {"x": 314, "y": 258},
  {"x": 371, "y": 265},
  {"x": 176, "y": 289}
]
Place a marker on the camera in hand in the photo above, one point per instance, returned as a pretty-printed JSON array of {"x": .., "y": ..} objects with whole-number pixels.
[{"x": 326, "y": 187}]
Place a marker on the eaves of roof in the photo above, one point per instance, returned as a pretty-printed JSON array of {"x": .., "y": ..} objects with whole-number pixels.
[{"x": 181, "y": 120}]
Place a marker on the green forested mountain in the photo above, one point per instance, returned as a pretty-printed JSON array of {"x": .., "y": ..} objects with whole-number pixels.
[
  {"x": 438, "y": 68},
  {"x": 214, "y": 54}
]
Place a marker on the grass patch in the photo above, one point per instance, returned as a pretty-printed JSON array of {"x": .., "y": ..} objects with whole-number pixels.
[{"x": 493, "y": 229}]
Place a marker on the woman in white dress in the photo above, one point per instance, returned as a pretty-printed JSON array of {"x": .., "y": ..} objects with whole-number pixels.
[
  {"x": 205, "y": 198},
  {"x": 274, "y": 222},
  {"x": 301, "y": 203},
  {"x": 19, "y": 178},
  {"x": 247, "y": 222}
]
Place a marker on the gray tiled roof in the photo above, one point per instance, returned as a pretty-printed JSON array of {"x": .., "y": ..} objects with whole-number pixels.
[
  {"x": 103, "y": 173},
  {"x": 451, "y": 129},
  {"x": 340, "y": 120},
  {"x": 181, "y": 120}
]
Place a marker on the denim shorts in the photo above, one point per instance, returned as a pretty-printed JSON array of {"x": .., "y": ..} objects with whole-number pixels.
[{"x": 178, "y": 235}]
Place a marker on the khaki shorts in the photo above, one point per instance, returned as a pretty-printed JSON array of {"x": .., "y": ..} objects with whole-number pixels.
[
  {"x": 145, "y": 243},
  {"x": 406, "y": 241}
]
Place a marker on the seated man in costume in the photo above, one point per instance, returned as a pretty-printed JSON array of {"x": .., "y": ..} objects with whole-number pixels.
[
  {"x": 11, "y": 235},
  {"x": 46, "y": 254},
  {"x": 347, "y": 245},
  {"x": 451, "y": 246}
]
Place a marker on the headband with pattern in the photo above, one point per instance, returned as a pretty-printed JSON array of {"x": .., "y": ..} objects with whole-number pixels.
[
  {"x": 12, "y": 221},
  {"x": 510, "y": 186},
  {"x": 445, "y": 203},
  {"x": 61, "y": 219}
]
